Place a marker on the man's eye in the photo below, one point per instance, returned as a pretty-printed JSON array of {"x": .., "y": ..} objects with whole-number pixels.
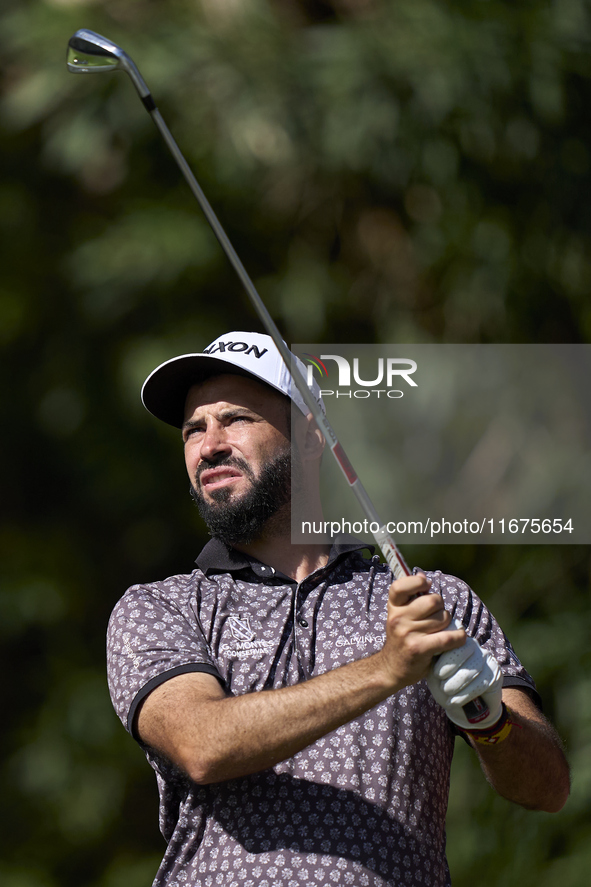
[{"x": 189, "y": 432}]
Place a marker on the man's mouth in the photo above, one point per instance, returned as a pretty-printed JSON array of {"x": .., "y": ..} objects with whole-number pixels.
[{"x": 216, "y": 478}]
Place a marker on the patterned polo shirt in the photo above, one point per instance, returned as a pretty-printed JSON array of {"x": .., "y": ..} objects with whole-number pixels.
[{"x": 364, "y": 805}]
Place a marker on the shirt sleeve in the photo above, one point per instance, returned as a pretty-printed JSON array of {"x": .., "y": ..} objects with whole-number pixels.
[
  {"x": 151, "y": 638},
  {"x": 480, "y": 624}
]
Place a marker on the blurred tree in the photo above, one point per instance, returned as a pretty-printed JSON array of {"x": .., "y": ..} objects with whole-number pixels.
[{"x": 388, "y": 171}]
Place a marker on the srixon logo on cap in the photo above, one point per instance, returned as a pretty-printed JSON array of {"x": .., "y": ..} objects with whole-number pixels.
[{"x": 219, "y": 347}]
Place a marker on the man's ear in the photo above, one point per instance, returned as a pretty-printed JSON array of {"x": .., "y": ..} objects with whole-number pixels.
[{"x": 312, "y": 439}]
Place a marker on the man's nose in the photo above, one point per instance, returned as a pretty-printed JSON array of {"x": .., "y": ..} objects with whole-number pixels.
[{"x": 214, "y": 442}]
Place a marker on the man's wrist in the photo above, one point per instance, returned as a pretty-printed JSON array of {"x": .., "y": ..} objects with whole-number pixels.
[
  {"x": 380, "y": 674},
  {"x": 495, "y": 734}
]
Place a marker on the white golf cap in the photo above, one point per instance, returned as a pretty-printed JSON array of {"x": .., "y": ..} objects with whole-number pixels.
[{"x": 243, "y": 354}]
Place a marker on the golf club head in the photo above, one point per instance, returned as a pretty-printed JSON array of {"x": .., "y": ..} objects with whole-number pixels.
[{"x": 89, "y": 52}]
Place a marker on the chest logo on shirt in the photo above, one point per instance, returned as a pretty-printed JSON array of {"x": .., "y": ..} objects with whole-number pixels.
[
  {"x": 241, "y": 642},
  {"x": 240, "y": 628}
]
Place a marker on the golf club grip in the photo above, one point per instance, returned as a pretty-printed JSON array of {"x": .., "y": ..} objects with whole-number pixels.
[{"x": 476, "y": 710}]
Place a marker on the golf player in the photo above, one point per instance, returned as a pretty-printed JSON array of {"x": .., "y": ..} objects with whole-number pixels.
[{"x": 288, "y": 696}]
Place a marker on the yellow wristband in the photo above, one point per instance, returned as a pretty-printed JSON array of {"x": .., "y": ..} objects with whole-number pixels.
[{"x": 495, "y": 738}]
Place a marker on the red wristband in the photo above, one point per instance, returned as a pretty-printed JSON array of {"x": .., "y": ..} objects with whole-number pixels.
[{"x": 495, "y": 734}]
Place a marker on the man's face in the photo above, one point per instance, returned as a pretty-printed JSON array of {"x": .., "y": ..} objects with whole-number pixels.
[{"x": 237, "y": 453}]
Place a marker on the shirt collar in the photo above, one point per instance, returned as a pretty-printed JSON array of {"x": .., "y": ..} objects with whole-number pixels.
[{"x": 217, "y": 557}]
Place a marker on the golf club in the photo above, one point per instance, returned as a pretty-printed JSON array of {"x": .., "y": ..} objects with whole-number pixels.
[{"x": 89, "y": 53}]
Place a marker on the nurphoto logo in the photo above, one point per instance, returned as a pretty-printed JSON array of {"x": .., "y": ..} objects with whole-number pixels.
[{"x": 389, "y": 371}]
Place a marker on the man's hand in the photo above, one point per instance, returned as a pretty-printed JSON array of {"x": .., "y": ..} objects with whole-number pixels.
[
  {"x": 415, "y": 631},
  {"x": 461, "y": 675}
]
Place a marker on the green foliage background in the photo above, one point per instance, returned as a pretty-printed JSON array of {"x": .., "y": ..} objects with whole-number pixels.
[{"x": 394, "y": 171}]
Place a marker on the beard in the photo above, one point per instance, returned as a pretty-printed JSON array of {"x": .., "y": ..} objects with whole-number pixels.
[{"x": 242, "y": 519}]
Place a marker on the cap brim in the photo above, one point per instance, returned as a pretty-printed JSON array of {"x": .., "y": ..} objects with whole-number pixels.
[{"x": 165, "y": 390}]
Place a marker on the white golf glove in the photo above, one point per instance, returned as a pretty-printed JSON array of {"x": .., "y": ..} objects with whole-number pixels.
[{"x": 459, "y": 676}]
